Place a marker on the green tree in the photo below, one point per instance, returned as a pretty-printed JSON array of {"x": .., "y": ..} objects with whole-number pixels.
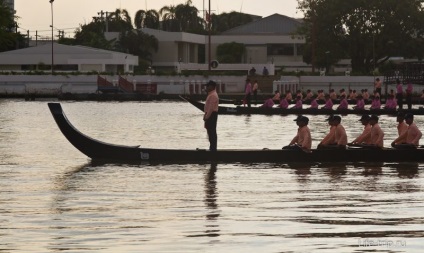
[
  {"x": 148, "y": 19},
  {"x": 9, "y": 39},
  {"x": 226, "y": 21},
  {"x": 231, "y": 52},
  {"x": 169, "y": 21},
  {"x": 368, "y": 32}
]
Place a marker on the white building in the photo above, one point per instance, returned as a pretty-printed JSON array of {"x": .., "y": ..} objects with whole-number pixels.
[
  {"x": 271, "y": 40},
  {"x": 67, "y": 58}
]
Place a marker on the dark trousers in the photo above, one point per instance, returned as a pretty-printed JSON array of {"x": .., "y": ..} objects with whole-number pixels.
[
  {"x": 399, "y": 97},
  {"x": 248, "y": 100},
  {"x": 255, "y": 96},
  {"x": 409, "y": 100},
  {"x": 210, "y": 125}
]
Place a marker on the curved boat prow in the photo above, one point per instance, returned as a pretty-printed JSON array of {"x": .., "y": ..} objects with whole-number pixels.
[{"x": 90, "y": 147}]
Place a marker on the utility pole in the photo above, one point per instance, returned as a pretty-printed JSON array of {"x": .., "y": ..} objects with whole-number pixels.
[
  {"x": 209, "y": 37},
  {"x": 51, "y": 3}
]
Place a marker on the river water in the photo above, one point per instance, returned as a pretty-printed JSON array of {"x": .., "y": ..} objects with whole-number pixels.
[{"x": 52, "y": 198}]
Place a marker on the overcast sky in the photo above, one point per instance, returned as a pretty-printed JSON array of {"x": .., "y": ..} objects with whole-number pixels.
[{"x": 69, "y": 14}]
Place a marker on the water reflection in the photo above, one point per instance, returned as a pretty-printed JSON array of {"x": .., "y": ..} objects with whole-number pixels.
[
  {"x": 211, "y": 195},
  {"x": 406, "y": 170}
]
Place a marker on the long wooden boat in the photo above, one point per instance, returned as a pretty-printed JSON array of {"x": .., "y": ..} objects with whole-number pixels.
[
  {"x": 101, "y": 151},
  {"x": 240, "y": 110}
]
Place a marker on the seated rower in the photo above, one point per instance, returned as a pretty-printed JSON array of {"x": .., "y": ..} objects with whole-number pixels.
[
  {"x": 269, "y": 103},
  {"x": 377, "y": 134},
  {"x": 337, "y": 137},
  {"x": 314, "y": 103},
  {"x": 333, "y": 94},
  {"x": 284, "y": 104},
  {"x": 360, "y": 104},
  {"x": 365, "y": 94},
  {"x": 298, "y": 104},
  {"x": 276, "y": 97},
  {"x": 343, "y": 103},
  {"x": 402, "y": 127},
  {"x": 309, "y": 95},
  {"x": 289, "y": 96},
  {"x": 410, "y": 138},
  {"x": 328, "y": 103},
  {"x": 391, "y": 103},
  {"x": 299, "y": 94},
  {"x": 321, "y": 95},
  {"x": 302, "y": 140},
  {"x": 365, "y": 138},
  {"x": 375, "y": 104}
]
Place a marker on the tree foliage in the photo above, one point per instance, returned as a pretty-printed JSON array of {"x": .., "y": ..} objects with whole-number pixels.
[
  {"x": 9, "y": 38},
  {"x": 226, "y": 21},
  {"x": 230, "y": 52},
  {"x": 366, "y": 31}
]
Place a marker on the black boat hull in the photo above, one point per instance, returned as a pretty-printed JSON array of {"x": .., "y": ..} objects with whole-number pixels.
[{"x": 98, "y": 150}]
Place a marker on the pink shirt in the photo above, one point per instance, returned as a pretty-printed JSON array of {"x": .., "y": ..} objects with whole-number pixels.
[
  {"x": 360, "y": 105},
  {"x": 343, "y": 104},
  {"x": 284, "y": 104},
  {"x": 211, "y": 104},
  {"x": 399, "y": 89},
  {"x": 269, "y": 103},
  {"x": 409, "y": 88},
  {"x": 328, "y": 104},
  {"x": 314, "y": 104},
  {"x": 375, "y": 104},
  {"x": 303, "y": 138},
  {"x": 248, "y": 88},
  {"x": 298, "y": 104},
  {"x": 377, "y": 135},
  {"x": 391, "y": 104}
]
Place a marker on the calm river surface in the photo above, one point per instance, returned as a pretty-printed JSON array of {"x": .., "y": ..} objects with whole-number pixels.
[{"x": 53, "y": 199}]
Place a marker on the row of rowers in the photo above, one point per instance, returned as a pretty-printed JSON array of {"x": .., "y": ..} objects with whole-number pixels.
[
  {"x": 284, "y": 102},
  {"x": 371, "y": 137},
  {"x": 352, "y": 94}
]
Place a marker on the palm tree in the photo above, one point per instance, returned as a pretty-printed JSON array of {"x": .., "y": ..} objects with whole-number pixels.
[
  {"x": 119, "y": 20},
  {"x": 169, "y": 18},
  {"x": 187, "y": 16},
  {"x": 149, "y": 19}
]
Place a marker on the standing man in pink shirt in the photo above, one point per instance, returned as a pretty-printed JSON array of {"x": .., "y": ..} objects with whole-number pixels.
[
  {"x": 412, "y": 136},
  {"x": 211, "y": 114},
  {"x": 248, "y": 93},
  {"x": 408, "y": 92},
  {"x": 399, "y": 94}
]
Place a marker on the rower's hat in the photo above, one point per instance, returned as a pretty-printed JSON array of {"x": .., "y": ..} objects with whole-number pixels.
[
  {"x": 301, "y": 118},
  {"x": 337, "y": 118},
  {"x": 330, "y": 118},
  {"x": 409, "y": 116},
  {"x": 211, "y": 83},
  {"x": 365, "y": 117},
  {"x": 374, "y": 117},
  {"x": 401, "y": 115}
]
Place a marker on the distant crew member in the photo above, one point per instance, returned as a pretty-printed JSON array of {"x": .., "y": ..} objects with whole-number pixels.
[
  {"x": 343, "y": 103},
  {"x": 390, "y": 103},
  {"x": 309, "y": 95},
  {"x": 328, "y": 103},
  {"x": 333, "y": 94},
  {"x": 255, "y": 91},
  {"x": 375, "y": 104},
  {"x": 269, "y": 103},
  {"x": 399, "y": 94},
  {"x": 211, "y": 114},
  {"x": 298, "y": 104},
  {"x": 377, "y": 134},
  {"x": 314, "y": 103},
  {"x": 284, "y": 104},
  {"x": 412, "y": 136},
  {"x": 248, "y": 93},
  {"x": 377, "y": 86},
  {"x": 365, "y": 137},
  {"x": 277, "y": 96},
  {"x": 303, "y": 139},
  {"x": 408, "y": 92},
  {"x": 360, "y": 104}
]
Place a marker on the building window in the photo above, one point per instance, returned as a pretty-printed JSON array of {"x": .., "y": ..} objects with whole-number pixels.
[{"x": 280, "y": 49}]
